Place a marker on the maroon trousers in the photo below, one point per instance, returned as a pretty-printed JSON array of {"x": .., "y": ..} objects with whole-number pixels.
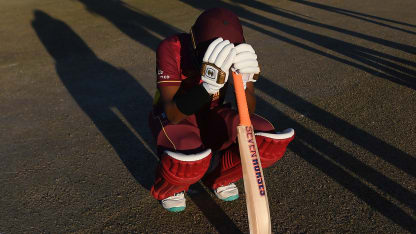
[{"x": 215, "y": 129}]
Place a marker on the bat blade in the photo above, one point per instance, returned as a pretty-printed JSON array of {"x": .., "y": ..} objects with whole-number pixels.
[{"x": 254, "y": 184}]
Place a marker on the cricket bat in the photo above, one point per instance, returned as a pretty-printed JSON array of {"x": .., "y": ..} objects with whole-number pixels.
[{"x": 254, "y": 184}]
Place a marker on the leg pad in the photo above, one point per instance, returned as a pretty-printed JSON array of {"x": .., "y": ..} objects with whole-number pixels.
[
  {"x": 228, "y": 170},
  {"x": 176, "y": 172},
  {"x": 272, "y": 147}
]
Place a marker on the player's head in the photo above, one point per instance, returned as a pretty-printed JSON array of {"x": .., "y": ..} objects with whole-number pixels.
[{"x": 214, "y": 23}]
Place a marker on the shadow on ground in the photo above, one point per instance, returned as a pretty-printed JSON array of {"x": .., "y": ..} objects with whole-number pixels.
[
  {"x": 105, "y": 92},
  {"x": 322, "y": 154}
]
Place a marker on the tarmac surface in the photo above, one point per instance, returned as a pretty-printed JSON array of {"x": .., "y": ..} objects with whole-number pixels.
[{"x": 77, "y": 79}]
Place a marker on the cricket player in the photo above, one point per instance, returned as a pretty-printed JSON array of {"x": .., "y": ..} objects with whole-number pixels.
[{"x": 194, "y": 130}]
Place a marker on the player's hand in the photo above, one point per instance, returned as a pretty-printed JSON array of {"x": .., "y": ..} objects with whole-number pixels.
[
  {"x": 216, "y": 64},
  {"x": 245, "y": 63}
]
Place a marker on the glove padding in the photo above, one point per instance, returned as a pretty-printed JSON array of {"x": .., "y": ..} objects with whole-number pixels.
[
  {"x": 245, "y": 63},
  {"x": 216, "y": 64}
]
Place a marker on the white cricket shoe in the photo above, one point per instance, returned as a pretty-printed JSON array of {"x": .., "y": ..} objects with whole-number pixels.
[
  {"x": 227, "y": 193},
  {"x": 175, "y": 203}
]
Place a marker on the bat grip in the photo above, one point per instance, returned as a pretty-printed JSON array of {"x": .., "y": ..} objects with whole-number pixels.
[{"x": 240, "y": 96}]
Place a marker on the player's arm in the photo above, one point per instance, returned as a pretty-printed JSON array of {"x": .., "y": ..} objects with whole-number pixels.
[
  {"x": 172, "y": 112},
  {"x": 169, "y": 77},
  {"x": 217, "y": 59}
]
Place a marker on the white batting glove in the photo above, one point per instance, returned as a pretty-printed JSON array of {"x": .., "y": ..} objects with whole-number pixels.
[
  {"x": 245, "y": 63},
  {"x": 216, "y": 64}
]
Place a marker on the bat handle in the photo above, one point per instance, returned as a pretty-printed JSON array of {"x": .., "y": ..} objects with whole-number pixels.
[{"x": 240, "y": 96}]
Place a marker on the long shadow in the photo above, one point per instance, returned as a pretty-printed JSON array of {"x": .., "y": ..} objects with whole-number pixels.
[
  {"x": 270, "y": 9},
  {"x": 273, "y": 10},
  {"x": 133, "y": 22},
  {"x": 388, "y": 153},
  {"x": 279, "y": 12},
  {"x": 322, "y": 154},
  {"x": 372, "y": 144},
  {"x": 375, "y": 60},
  {"x": 358, "y": 15},
  {"x": 102, "y": 91},
  {"x": 333, "y": 57},
  {"x": 108, "y": 94}
]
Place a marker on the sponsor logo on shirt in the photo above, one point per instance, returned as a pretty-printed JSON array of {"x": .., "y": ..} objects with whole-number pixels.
[{"x": 161, "y": 76}]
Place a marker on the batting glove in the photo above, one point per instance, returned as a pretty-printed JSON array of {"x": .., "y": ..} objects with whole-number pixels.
[
  {"x": 245, "y": 63},
  {"x": 216, "y": 65}
]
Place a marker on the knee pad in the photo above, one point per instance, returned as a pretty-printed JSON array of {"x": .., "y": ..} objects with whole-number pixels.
[
  {"x": 228, "y": 169},
  {"x": 272, "y": 147},
  {"x": 177, "y": 171}
]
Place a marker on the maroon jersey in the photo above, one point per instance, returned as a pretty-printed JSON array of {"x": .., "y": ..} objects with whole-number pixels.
[{"x": 176, "y": 65}]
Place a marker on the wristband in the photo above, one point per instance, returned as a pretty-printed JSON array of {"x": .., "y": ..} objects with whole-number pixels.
[{"x": 192, "y": 101}]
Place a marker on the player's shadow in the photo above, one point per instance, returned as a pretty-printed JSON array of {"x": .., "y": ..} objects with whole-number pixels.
[
  {"x": 110, "y": 96},
  {"x": 117, "y": 104}
]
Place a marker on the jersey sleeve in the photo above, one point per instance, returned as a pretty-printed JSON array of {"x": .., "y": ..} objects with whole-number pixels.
[{"x": 168, "y": 63}]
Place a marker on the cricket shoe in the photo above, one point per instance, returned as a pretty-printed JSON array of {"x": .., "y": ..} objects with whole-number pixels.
[
  {"x": 227, "y": 193},
  {"x": 175, "y": 203}
]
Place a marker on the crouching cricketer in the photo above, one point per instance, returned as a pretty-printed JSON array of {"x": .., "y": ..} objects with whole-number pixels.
[{"x": 194, "y": 130}]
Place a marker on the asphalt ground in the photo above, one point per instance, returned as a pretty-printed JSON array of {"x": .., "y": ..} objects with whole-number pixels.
[{"x": 76, "y": 84}]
